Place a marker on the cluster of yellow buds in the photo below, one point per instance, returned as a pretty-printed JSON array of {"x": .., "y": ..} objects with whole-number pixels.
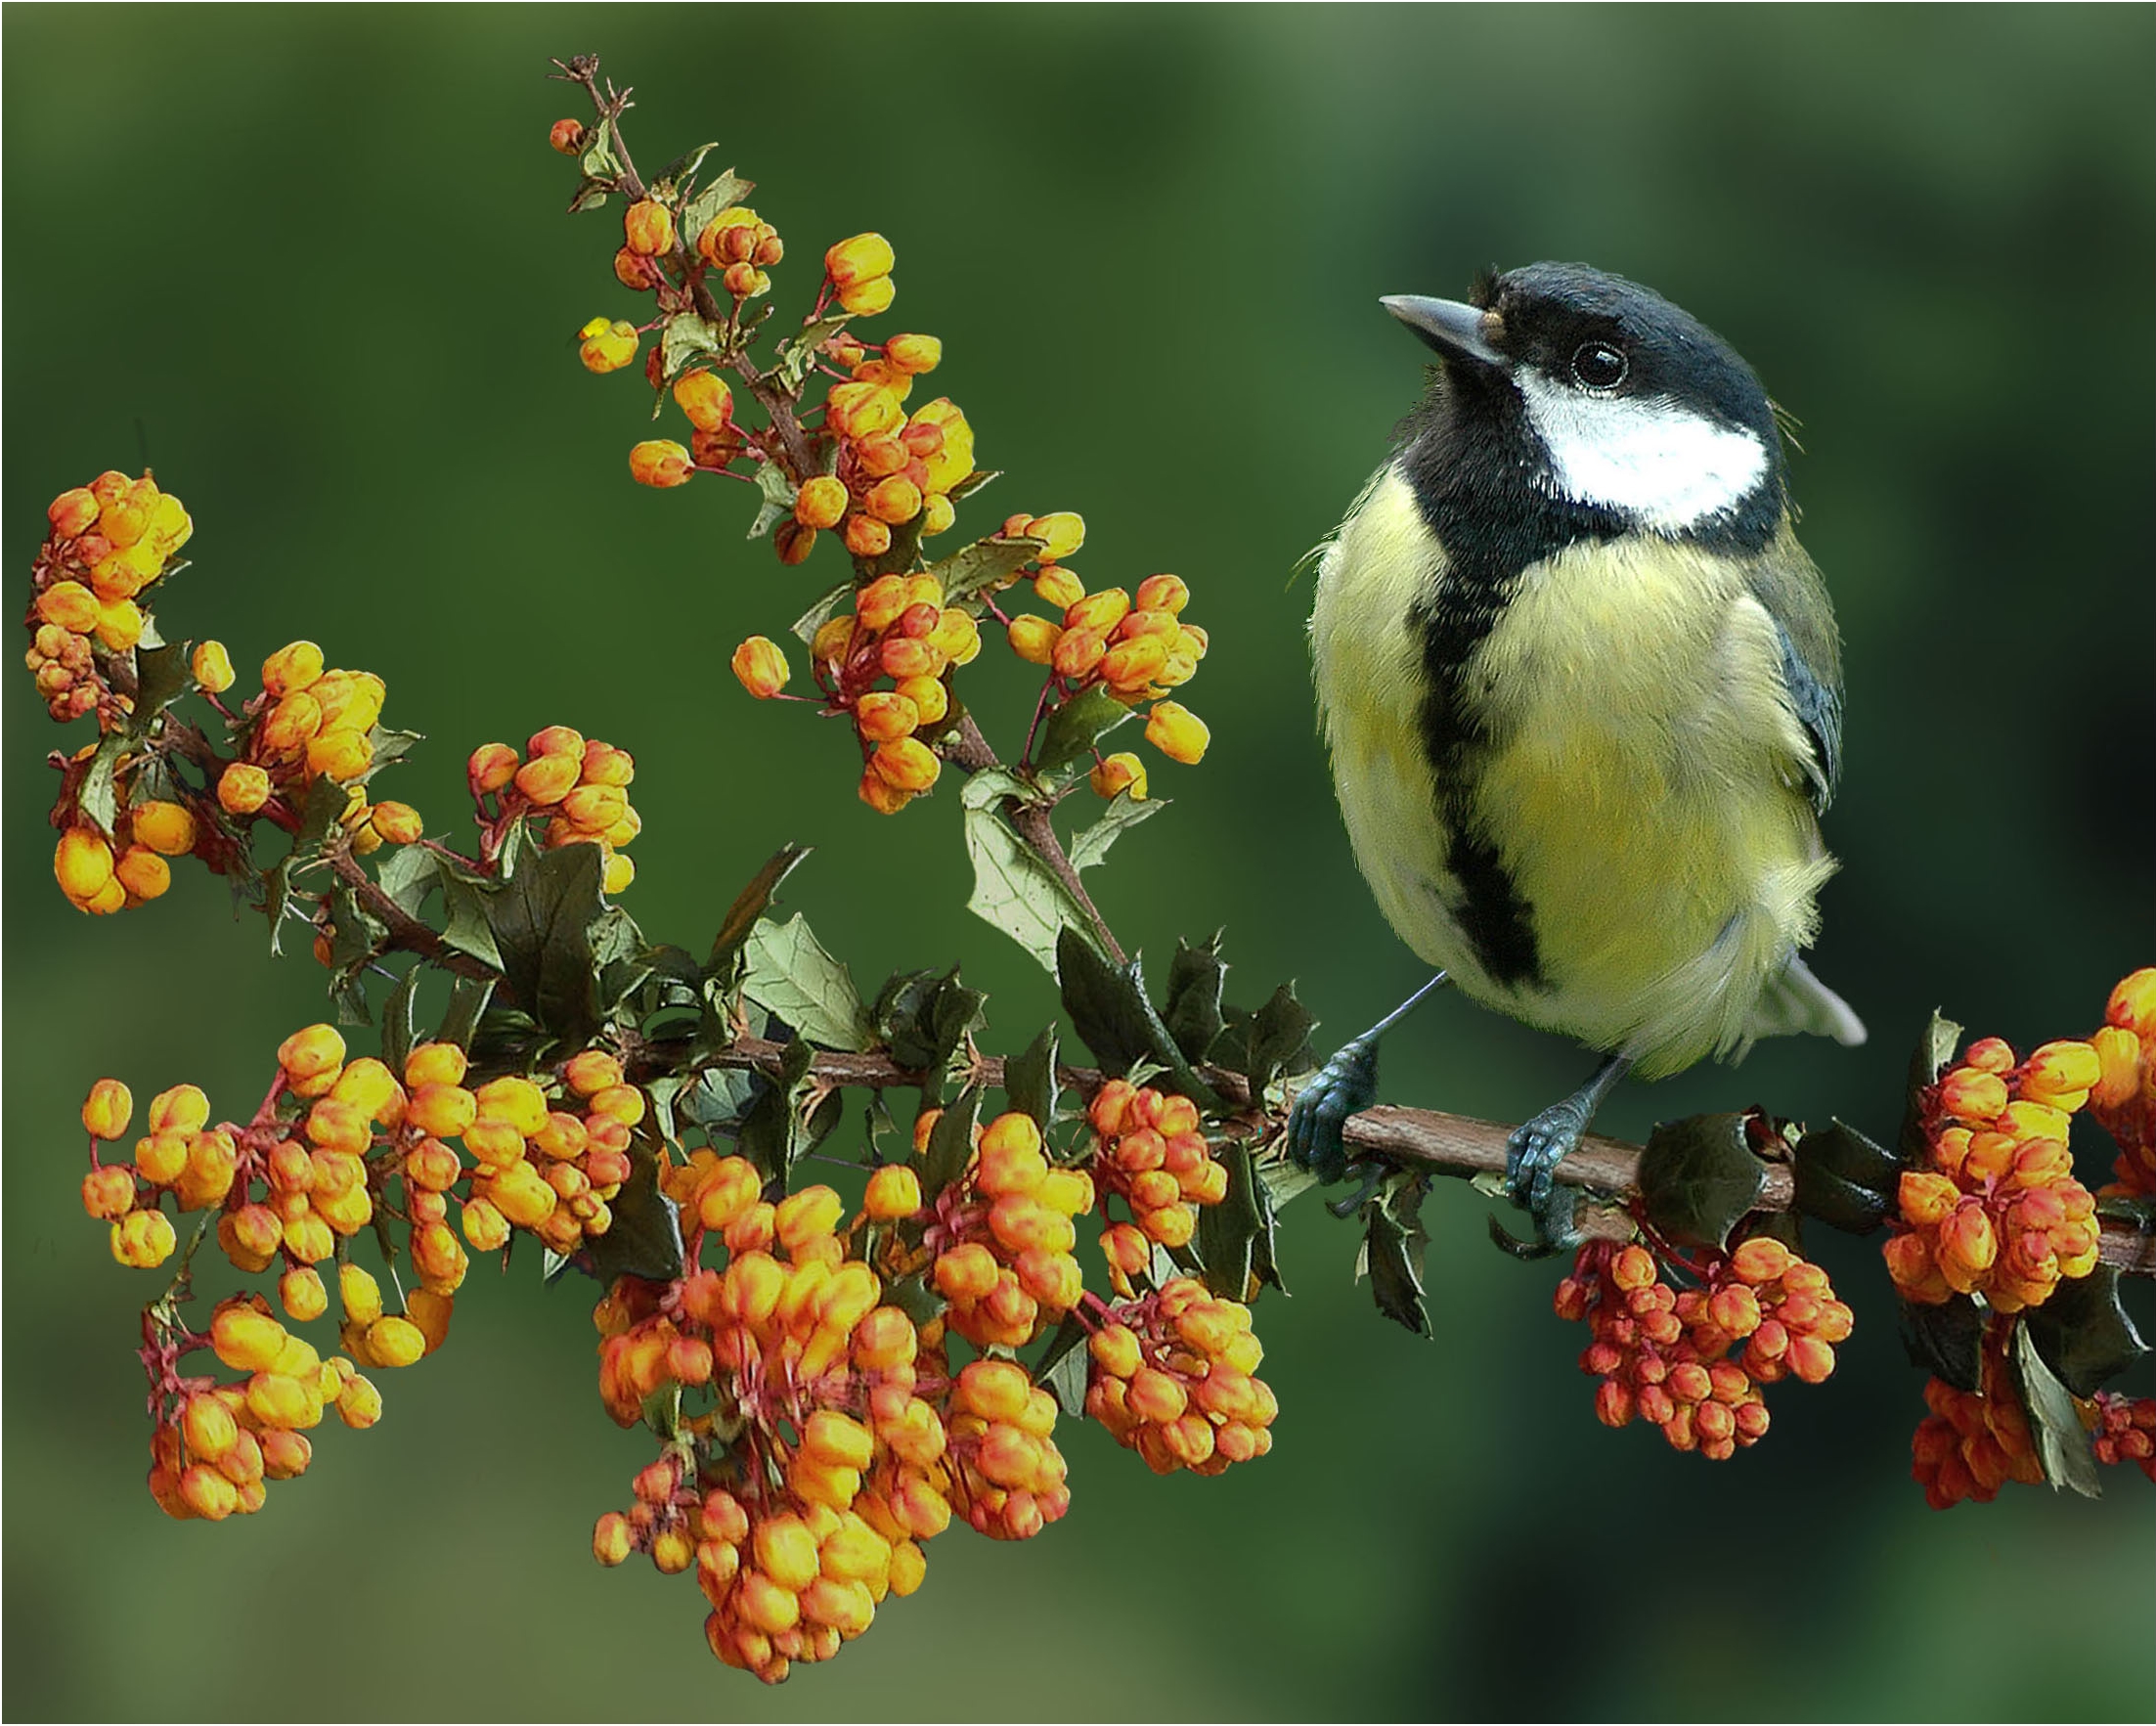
[
  {"x": 741, "y": 246},
  {"x": 1134, "y": 645},
  {"x": 1007, "y": 1474},
  {"x": 858, "y": 271},
  {"x": 1004, "y": 1236},
  {"x": 308, "y": 723},
  {"x": 579, "y": 785},
  {"x": 1153, "y": 1156},
  {"x": 2124, "y": 1099},
  {"x": 101, "y": 875},
  {"x": 551, "y": 1170},
  {"x": 1998, "y": 1210},
  {"x": 109, "y": 541},
  {"x": 1173, "y": 1380},
  {"x": 216, "y": 1445},
  {"x": 901, "y": 631},
  {"x": 891, "y": 468}
]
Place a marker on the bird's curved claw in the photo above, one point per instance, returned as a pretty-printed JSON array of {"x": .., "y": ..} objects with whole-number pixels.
[
  {"x": 1371, "y": 1176},
  {"x": 1531, "y": 1157},
  {"x": 1346, "y": 1085}
]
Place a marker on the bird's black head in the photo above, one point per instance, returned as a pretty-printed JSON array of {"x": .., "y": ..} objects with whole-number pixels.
[{"x": 1614, "y": 403}]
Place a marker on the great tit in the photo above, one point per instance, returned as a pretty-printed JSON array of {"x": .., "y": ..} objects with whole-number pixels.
[{"x": 1582, "y": 692}]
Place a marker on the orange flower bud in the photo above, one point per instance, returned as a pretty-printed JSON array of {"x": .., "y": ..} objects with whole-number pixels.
[
  {"x": 607, "y": 344},
  {"x": 820, "y": 501},
  {"x": 866, "y": 537},
  {"x": 70, "y": 605},
  {"x": 243, "y": 788},
  {"x": 661, "y": 463},
  {"x": 1176, "y": 732},
  {"x": 761, "y": 667},
  {"x": 905, "y": 764},
  {"x": 1035, "y": 638},
  {"x": 83, "y": 864},
  {"x": 647, "y": 227},
  {"x": 1063, "y": 531},
  {"x": 865, "y": 299},
  {"x": 913, "y": 354},
  {"x": 1972, "y": 1095},
  {"x": 1130, "y": 665},
  {"x": 1926, "y": 1199},
  {"x": 1161, "y": 592},
  {"x": 704, "y": 397},
  {"x": 2061, "y": 1073},
  {"x": 546, "y": 779},
  {"x": 894, "y": 1191},
  {"x": 1116, "y": 772},
  {"x": 566, "y": 137},
  {"x": 893, "y": 501},
  {"x": 861, "y": 258},
  {"x": 882, "y": 717}
]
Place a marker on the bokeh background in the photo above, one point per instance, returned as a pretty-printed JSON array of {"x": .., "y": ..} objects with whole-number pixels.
[{"x": 311, "y": 264}]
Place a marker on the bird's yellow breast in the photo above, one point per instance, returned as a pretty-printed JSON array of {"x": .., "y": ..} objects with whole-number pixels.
[{"x": 1636, "y": 774}]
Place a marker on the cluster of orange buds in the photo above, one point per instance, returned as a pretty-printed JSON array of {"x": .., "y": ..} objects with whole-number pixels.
[
  {"x": 101, "y": 875},
  {"x": 1152, "y": 1155},
  {"x": 1134, "y": 645},
  {"x": 1007, "y": 1474},
  {"x": 1004, "y": 1236},
  {"x": 2125, "y": 1430},
  {"x": 108, "y": 542},
  {"x": 579, "y": 786},
  {"x": 858, "y": 271},
  {"x": 900, "y": 633},
  {"x": 1664, "y": 1355},
  {"x": 2124, "y": 1099},
  {"x": 822, "y": 1470},
  {"x": 1972, "y": 1442},
  {"x": 1996, "y": 1211},
  {"x": 1171, "y": 1378},
  {"x": 741, "y": 246},
  {"x": 551, "y": 1170},
  {"x": 308, "y": 723},
  {"x": 217, "y": 1447},
  {"x": 891, "y": 468}
]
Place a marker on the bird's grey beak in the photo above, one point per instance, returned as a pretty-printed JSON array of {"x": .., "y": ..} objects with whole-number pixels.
[{"x": 1447, "y": 325}]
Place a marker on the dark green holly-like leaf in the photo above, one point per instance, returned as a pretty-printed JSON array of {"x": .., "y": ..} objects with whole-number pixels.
[
  {"x": 954, "y": 1017},
  {"x": 468, "y": 1003},
  {"x": 357, "y": 936},
  {"x": 2084, "y": 1334},
  {"x": 778, "y": 499},
  {"x": 1072, "y": 730},
  {"x": 1264, "y": 1251},
  {"x": 1192, "y": 1013},
  {"x": 1091, "y": 845},
  {"x": 1946, "y": 1340},
  {"x": 776, "y": 1129},
  {"x": 1013, "y": 889},
  {"x": 1270, "y": 1043},
  {"x": 812, "y": 621},
  {"x": 915, "y": 1298},
  {"x": 1698, "y": 1178},
  {"x": 399, "y": 1024},
  {"x": 951, "y": 1143},
  {"x": 318, "y": 814},
  {"x": 1391, "y": 1255},
  {"x": 1030, "y": 1079},
  {"x": 1065, "y": 1365},
  {"x": 791, "y": 975},
  {"x": 901, "y": 1017},
  {"x": 1228, "y": 1231},
  {"x": 982, "y": 566},
  {"x": 728, "y": 949},
  {"x": 542, "y": 923},
  {"x": 389, "y": 748},
  {"x": 2061, "y": 1443},
  {"x": 1934, "y": 1049},
  {"x": 408, "y": 874},
  {"x": 466, "y": 925},
  {"x": 717, "y": 195},
  {"x": 1837, "y": 1202},
  {"x": 644, "y": 1238},
  {"x": 96, "y": 797},
  {"x": 797, "y": 358},
  {"x": 1110, "y": 1011}
]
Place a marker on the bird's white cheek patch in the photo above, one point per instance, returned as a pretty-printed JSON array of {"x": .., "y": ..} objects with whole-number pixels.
[{"x": 1664, "y": 466}]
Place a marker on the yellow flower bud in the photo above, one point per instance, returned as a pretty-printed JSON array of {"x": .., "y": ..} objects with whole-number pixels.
[
  {"x": 647, "y": 228},
  {"x": 913, "y": 354},
  {"x": 69, "y": 604},
  {"x": 936, "y": 515},
  {"x": 83, "y": 864},
  {"x": 661, "y": 463},
  {"x": 294, "y": 667},
  {"x": 1178, "y": 733},
  {"x": 862, "y": 259},
  {"x": 607, "y": 344},
  {"x": 1065, "y": 532},
  {"x": 931, "y": 700},
  {"x": 761, "y": 666},
  {"x": 1116, "y": 772},
  {"x": 905, "y": 764},
  {"x": 865, "y": 299},
  {"x": 1033, "y": 638},
  {"x": 120, "y": 624},
  {"x": 165, "y": 827},
  {"x": 143, "y": 873},
  {"x": 704, "y": 397}
]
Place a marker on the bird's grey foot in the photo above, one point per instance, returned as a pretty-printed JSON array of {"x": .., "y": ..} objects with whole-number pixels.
[
  {"x": 1536, "y": 1147},
  {"x": 1346, "y": 1085}
]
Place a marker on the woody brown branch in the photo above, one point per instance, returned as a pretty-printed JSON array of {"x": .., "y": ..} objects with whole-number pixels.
[{"x": 1452, "y": 1145}]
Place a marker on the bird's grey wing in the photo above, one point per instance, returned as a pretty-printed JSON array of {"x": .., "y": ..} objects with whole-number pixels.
[{"x": 1784, "y": 581}]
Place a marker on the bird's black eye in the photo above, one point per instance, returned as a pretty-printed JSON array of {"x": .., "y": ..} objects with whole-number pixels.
[{"x": 1598, "y": 365}]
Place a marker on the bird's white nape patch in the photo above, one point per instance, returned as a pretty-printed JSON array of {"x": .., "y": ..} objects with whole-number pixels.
[{"x": 1665, "y": 466}]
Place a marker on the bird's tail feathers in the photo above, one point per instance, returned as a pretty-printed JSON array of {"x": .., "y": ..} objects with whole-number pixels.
[{"x": 1797, "y": 1000}]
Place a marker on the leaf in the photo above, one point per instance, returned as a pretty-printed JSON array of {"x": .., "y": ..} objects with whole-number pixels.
[
  {"x": 464, "y": 919},
  {"x": 2084, "y": 1333},
  {"x": 399, "y": 1025},
  {"x": 791, "y": 975},
  {"x": 1091, "y": 846},
  {"x": 1946, "y": 1340},
  {"x": 900, "y": 1017},
  {"x": 2061, "y": 1443},
  {"x": 951, "y": 1143},
  {"x": 467, "y": 1002},
  {"x": 984, "y": 564},
  {"x": 1065, "y": 1366},
  {"x": 644, "y": 1238},
  {"x": 1072, "y": 730},
  {"x": 588, "y": 195},
  {"x": 389, "y": 748},
  {"x": 1192, "y": 1013},
  {"x": 599, "y": 160},
  {"x": 687, "y": 338},
  {"x": 407, "y": 876},
  {"x": 1264, "y": 1246},
  {"x": 776, "y": 1129},
  {"x": 778, "y": 499},
  {"x": 1012, "y": 888},
  {"x": 543, "y": 922},
  {"x": 750, "y": 903},
  {"x": 797, "y": 358},
  {"x": 812, "y": 621},
  {"x": 720, "y": 194},
  {"x": 1030, "y": 1079},
  {"x": 1269, "y": 1044},
  {"x": 1836, "y": 1200},
  {"x": 1391, "y": 1255},
  {"x": 318, "y": 814},
  {"x": 1698, "y": 1178},
  {"x": 1284, "y": 1181},
  {"x": 1934, "y": 1049},
  {"x": 1228, "y": 1231},
  {"x": 974, "y": 481},
  {"x": 676, "y": 172}
]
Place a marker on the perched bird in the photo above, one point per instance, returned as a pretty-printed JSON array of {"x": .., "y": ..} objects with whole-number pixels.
[{"x": 1582, "y": 691}]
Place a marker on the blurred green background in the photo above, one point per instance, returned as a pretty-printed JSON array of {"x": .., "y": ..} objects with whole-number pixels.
[{"x": 312, "y": 265}]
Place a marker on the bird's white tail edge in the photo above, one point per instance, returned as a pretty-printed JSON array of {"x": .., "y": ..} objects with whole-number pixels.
[{"x": 1797, "y": 1000}]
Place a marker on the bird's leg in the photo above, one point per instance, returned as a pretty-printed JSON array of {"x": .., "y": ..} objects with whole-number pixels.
[
  {"x": 1346, "y": 1085},
  {"x": 1536, "y": 1148}
]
